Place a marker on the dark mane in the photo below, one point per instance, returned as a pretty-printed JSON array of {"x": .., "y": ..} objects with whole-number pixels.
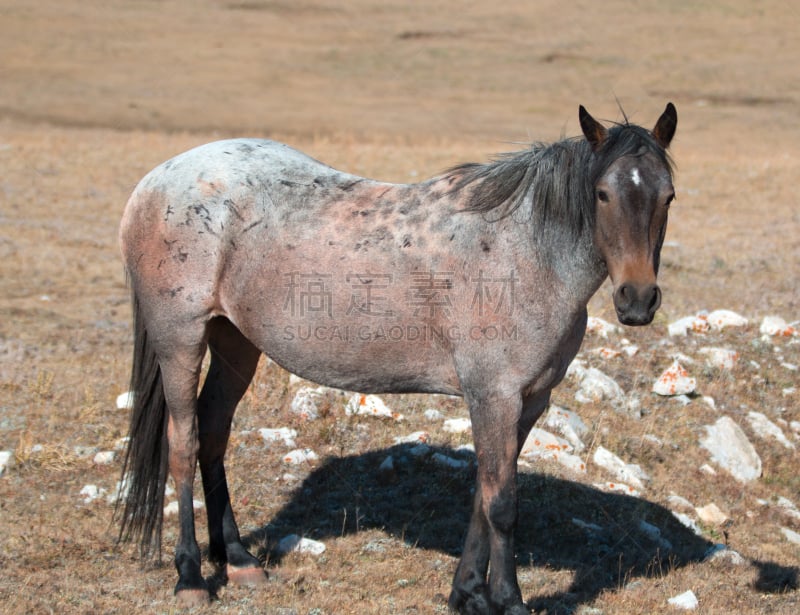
[{"x": 554, "y": 181}]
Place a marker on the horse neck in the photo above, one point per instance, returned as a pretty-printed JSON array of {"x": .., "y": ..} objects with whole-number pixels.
[{"x": 572, "y": 259}]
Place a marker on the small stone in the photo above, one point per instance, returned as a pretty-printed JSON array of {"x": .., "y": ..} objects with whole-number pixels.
[
  {"x": 91, "y": 493},
  {"x": 776, "y": 326},
  {"x": 721, "y": 358},
  {"x": 687, "y": 600},
  {"x": 791, "y": 535},
  {"x": 764, "y": 428},
  {"x": 125, "y": 401},
  {"x": 569, "y": 424},
  {"x": 676, "y": 501},
  {"x": 719, "y": 319},
  {"x": 722, "y": 554},
  {"x": 6, "y": 460},
  {"x": 710, "y": 514},
  {"x": 695, "y": 324},
  {"x": 286, "y": 435},
  {"x": 730, "y": 449},
  {"x": 299, "y": 456},
  {"x": 293, "y": 542},
  {"x": 617, "y": 488},
  {"x": 688, "y": 522},
  {"x": 459, "y": 425},
  {"x": 432, "y": 414},
  {"x": 370, "y": 405},
  {"x": 675, "y": 380},
  {"x": 306, "y": 402},
  {"x": 626, "y": 472},
  {"x": 413, "y": 438},
  {"x": 600, "y": 327},
  {"x": 104, "y": 458}
]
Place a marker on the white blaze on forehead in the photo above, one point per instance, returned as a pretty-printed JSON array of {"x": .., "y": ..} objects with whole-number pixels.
[{"x": 635, "y": 178}]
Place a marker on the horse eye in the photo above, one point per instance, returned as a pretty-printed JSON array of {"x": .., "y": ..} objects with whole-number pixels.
[
  {"x": 602, "y": 195},
  {"x": 670, "y": 198}
]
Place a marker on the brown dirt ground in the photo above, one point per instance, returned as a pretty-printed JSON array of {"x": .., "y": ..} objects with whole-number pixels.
[{"x": 94, "y": 94}]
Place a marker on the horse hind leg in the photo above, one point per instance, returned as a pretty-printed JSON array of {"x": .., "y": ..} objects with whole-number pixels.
[
  {"x": 180, "y": 364},
  {"x": 233, "y": 363}
]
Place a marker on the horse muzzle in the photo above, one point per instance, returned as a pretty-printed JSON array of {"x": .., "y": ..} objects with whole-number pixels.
[{"x": 637, "y": 305}]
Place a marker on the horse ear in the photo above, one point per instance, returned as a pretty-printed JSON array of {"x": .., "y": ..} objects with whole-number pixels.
[
  {"x": 666, "y": 125},
  {"x": 593, "y": 130}
]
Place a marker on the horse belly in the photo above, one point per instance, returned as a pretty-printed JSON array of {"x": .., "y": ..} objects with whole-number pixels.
[{"x": 338, "y": 328}]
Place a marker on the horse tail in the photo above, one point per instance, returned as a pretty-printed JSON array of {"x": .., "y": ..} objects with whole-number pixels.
[{"x": 146, "y": 462}]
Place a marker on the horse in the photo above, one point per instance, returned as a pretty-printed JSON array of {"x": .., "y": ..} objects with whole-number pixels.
[{"x": 472, "y": 283}]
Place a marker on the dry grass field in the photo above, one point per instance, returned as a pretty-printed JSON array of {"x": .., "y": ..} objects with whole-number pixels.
[{"x": 94, "y": 94}]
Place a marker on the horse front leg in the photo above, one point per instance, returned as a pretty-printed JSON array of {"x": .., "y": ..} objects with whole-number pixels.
[{"x": 490, "y": 538}]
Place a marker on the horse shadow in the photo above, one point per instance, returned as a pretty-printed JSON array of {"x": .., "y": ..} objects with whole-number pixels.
[{"x": 606, "y": 539}]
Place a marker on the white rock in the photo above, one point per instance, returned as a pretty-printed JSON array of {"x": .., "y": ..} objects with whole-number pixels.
[
  {"x": 306, "y": 402},
  {"x": 787, "y": 392},
  {"x": 721, "y": 358},
  {"x": 707, "y": 469},
  {"x": 597, "y": 386},
  {"x": 791, "y": 535},
  {"x": 788, "y": 508},
  {"x": 104, "y": 458},
  {"x": 413, "y": 438},
  {"x": 568, "y": 424},
  {"x": 675, "y": 380},
  {"x": 625, "y": 472},
  {"x": 687, "y": 600},
  {"x": 370, "y": 405},
  {"x": 576, "y": 369},
  {"x": 432, "y": 414},
  {"x": 449, "y": 462},
  {"x": 721, "y": 553},
  {"x": 731, "y": 450},
  {"x": 541, "y": 443},
  {"x": 719, "y": 319},
  {"x": 695, "y": 324},
  {"x": 299, "y": 456},
  {"x": 776, "y": 326},
  {"x": 600, "y": 327},
  {"x": 688, "y": 522},
  {"x": 710, "y": 514},
  {"x": 120, "y": 444},
  {"x": 676, "y": 501},
  {"x": 91, "y": 493},
  {"x": 460, "y": 425},
  {"x": 286, "y": 435},
  {"x": 6, "y": 458},
  {"x": 125, "y": 401},
  {"x": 790, "y": 366},
  {"x": 293, "y": 542},
  {"x": 764, "y": 428},
  {"x": 617, "y": 488},
  {"x": 571, "y": 462},
  {"x": 709, "y": 401}
]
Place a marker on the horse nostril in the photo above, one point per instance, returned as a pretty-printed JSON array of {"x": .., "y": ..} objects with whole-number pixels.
[{"x": 655, "y": 299}]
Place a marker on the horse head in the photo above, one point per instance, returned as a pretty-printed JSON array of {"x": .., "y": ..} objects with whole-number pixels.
[{"x": 632, "y": 185}]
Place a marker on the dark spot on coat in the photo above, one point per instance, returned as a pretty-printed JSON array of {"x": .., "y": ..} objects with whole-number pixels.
[{"x": 485, "y": 246}]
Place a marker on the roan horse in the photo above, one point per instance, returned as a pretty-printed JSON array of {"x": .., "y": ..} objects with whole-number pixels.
[{"x": 472, "y": 283}]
